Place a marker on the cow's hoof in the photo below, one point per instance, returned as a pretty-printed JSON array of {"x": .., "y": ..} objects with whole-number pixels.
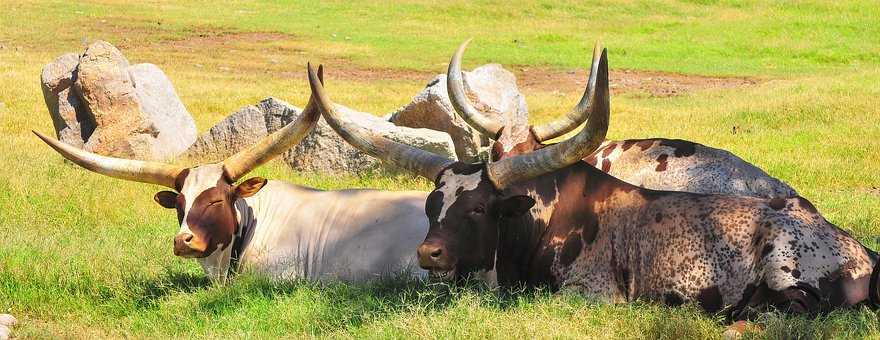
[
  {"x": 7, "y": 320},
  {"x": 737, "y": 329}
]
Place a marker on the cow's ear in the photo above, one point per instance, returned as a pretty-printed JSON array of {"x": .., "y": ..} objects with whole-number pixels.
[
  {"x": 249, "y": 187},
  {"x": 515, "y": 205},
  {"x": 167, "y": 199}
]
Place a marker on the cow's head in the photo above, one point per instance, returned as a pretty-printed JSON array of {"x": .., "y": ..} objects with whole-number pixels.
[
  {"x": 464, "y": 211},
  {"x": 470, "y": 202},
  {"x": 514, "y": 140},
  {"x": 204, "y": 196}
]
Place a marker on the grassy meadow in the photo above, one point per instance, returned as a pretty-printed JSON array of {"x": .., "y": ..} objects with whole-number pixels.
[{"x": 85, "y": 256}]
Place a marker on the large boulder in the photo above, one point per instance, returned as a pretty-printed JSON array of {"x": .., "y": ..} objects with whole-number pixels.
[
  {"x": 322, "y": 150},
  {"x": 491, "y": 88},
  {"x": 72, "y": 121},
  {"x": 102, "y": 103}
]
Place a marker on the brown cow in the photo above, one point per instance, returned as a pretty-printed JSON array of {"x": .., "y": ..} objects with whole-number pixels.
[
  {"x": 655, "y": 163},
  {"x": 546, "y": 218}
]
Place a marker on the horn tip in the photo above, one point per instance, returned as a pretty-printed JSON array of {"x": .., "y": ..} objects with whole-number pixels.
[
  {"x": 41, "y": 136},
  {"x": 462, "y": 47}
]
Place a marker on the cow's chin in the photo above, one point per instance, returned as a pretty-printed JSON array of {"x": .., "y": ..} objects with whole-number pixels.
[
  {"x": 191, "y": 253},
  {"x": 444, "y": 275}
]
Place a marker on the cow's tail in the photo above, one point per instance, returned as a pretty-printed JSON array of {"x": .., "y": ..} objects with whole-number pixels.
[{"x": 874, "y": 286}]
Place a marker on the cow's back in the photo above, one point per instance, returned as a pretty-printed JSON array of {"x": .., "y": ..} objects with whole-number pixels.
[
  {"x": 349, "y": 235},
  {"x": 723, "y": 251},
  {"x": 679, "y": 165}
]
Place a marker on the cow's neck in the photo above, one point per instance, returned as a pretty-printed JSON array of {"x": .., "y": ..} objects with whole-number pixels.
[
  {"x": 569, "y": 204},
  {"x": 225, "y": 262}
]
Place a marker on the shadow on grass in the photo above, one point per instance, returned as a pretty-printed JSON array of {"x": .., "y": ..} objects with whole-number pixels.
[
  {"x": 328, "y": 308},
  {"x": 154, "y": 290},
  {"x": 690, "y": 322}
]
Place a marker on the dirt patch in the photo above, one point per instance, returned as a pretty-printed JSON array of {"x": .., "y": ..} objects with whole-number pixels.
[
  {"x": 651, "y": 83},
  {"x": 212, "y": 38},
  {"x": 344, "y": 69},
  {"x": 276, "y": 53},
  {"x": 873, "y": 190}
]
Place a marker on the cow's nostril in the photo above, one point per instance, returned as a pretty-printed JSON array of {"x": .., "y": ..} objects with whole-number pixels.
[{"x": 436, "y": 253}]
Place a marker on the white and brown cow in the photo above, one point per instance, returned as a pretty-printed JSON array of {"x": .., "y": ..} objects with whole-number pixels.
[
  {"x": 655, "y": 163},
  {"x": 546, "y": 218},
  {"x": 276, "y": 228}
]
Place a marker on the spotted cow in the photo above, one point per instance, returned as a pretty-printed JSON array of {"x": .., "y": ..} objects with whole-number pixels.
[
  {"x": 656, "y": 163},
  {"x": 545, "y": 218}
]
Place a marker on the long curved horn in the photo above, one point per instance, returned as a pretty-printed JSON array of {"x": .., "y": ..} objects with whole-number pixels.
[
  {"x": 127, "y": 169},
  {"x": 239, "y": 164},
  {"x": 513, "y": 169},
  {"x": 576, "y": 115},
  {"x": 455, "y": 86},
  {"x": 421, "y": 162}
]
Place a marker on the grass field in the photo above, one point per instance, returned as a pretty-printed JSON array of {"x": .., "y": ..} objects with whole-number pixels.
[{"x": 84, "y": 256}]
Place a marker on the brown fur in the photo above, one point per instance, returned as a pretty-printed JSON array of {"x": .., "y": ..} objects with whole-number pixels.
[{"x": 610, "y": 239}]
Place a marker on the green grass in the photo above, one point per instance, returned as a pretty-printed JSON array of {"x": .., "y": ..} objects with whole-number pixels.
[{"x": 82, "y": 255}]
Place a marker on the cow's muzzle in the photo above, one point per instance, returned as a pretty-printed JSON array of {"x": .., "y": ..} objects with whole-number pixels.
[
  {"x": 188, "y": 245},
  {"x": 435, "y": 257}
]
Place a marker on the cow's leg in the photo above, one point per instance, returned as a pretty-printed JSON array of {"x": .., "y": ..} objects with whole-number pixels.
[
  {"x": 799, "y": 300},
  {"x": 739, "y": 328}
]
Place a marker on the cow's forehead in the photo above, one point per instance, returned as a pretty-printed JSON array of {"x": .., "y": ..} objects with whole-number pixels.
[
  {"x": 453, "y": 185},
  {"x": 201, "y": 178}
]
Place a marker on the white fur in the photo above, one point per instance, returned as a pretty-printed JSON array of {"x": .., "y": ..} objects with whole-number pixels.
[
  {"x": 451, "y": 183},
  {"x": 197, "y": 181},
  {"x": 296, "y": 232}
]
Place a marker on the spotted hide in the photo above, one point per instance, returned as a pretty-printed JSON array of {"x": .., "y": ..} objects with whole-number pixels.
[
  {"x": 665, "y": 164},
  {"x": 579, "y": 228}
]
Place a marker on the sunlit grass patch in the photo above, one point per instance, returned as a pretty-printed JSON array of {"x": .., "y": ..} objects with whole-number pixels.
[{"x": 85, "y": 256}]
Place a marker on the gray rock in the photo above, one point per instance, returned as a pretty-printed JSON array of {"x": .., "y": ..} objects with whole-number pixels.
[
  {"x": 491, "y": 89},
  {"x": 7, "y": 320},
  {"x": 322, "y": 150},
  {"x": 6, "y": 323},
  {"x": 241, "y": 129},
  {"x": 72, "y": 120},
  {"x": 161, "y": 106},
  {"x": 99, "y": 102}
]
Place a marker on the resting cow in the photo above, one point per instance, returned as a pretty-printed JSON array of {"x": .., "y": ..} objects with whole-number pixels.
[
  {"x": 547, "y": 219},
  {"x": 655, "y": 163},
  {"x": 276, "y": 228}
]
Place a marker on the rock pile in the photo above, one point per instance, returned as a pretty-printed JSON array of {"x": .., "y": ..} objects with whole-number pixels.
[
  {"x": 321, "y": 150},
  {"x": 100, "y": 102}
]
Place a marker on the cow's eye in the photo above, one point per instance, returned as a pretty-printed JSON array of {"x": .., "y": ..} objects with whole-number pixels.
[
  {"x": 215, "y": 202},
  {"x": 479, "y": 210}
]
